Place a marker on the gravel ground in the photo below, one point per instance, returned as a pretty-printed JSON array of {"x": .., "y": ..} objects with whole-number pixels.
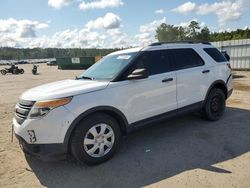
[{"x": 183, "y": 152}]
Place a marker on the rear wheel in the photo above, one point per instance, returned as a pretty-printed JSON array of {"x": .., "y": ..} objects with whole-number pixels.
[
  {"x": 95, "y": 139},
  {"x": 3, "y": 72},
  {"x": 215, "y": 105},
  {"x": 21, "y": 71}
]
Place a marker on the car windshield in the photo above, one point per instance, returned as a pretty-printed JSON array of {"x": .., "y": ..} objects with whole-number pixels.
[{"x": 108, "y": 67}]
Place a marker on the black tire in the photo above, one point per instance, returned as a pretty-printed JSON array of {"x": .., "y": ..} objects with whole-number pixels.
[
  {"x": 215, "y": 105},
  {"x": 21, "y": 71},
  {"x": 3, "y": 72},
  {"x": 77, "y": 138}
]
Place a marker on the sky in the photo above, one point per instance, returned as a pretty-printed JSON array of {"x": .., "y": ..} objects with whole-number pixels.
[{"x": 109, "y": 23}]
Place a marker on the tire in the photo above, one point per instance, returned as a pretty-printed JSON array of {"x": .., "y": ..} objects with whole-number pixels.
[
  {"x": 215, "y": 105},
  {"x": 21, "y": 71},
  {"x": 89, "y": 149},
  {"x": 3, "y": 72}
]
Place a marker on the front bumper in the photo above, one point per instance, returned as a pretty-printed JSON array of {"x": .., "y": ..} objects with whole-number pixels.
[
  {"x": 45, "y": 152},
  {"x": 45, "y": 130},
  {"x": 43, "y": 138}
]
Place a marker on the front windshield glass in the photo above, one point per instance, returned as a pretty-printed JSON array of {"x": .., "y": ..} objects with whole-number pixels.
[{"x": 108, "y": 67}]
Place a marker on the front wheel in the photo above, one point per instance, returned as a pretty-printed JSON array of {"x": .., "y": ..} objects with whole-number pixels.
[
  {"x": 215, "y": 105},
  {"x": 21, "y": 71},
  {"x": 3, "y": 72},
  {"x": 95, "y": 139}
]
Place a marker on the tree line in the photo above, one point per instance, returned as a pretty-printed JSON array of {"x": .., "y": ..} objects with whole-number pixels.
[
  {"x": 194, "y": 32},
  {"x": 7, "y": 53}
]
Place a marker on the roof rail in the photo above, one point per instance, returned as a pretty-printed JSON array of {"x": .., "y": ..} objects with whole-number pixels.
[
  {"x": 179, "y": 42},
  {"x": 208, "y": 43}
]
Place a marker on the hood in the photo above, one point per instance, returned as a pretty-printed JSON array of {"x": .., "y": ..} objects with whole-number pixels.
[{"x": 64, "y": 88}]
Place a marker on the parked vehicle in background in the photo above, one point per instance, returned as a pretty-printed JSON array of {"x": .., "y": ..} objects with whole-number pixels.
[
  {"x": 13, "y": 70},
  {"x": 22, "y": 62},
  {"x": 125, "y": 90},
  {"x": 52, "y": 63}
]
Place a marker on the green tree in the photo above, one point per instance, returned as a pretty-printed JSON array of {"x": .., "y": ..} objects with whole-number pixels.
[
  {"x": 167, "y": 33},
  {"x": 204, "y": 35},
  {"x": 193, "y": 27}
]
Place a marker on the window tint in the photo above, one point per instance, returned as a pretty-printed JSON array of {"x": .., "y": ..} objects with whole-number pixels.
[
  {"x": 156, "y": 62},
  {"x": 215, "y": 54},
  {"x": 186, "y": 58}
]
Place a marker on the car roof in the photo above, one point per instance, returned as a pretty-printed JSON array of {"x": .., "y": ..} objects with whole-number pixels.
[{"x": 159, "y": 46}]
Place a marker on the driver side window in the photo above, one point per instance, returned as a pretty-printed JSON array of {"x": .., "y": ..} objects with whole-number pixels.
[{"x": 156, "y": 62}]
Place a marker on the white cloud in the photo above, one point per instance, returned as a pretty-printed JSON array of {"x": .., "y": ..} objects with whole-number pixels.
[
  {"x": 203, "y": 24},
  {"x": 147, "y": 32},
  {"x": 59, "y": 3},
  {"x": 101, "y": 4},
  {"x": 185, "y": 8},
  {"x": 144, "y": 39},
  {"x": 185, "y": 24},
  {"x": 23, "y": 33},
  {"x": 114, "y": 32},
  {"x": 76, "y": 38},
  {"x": 99, "y": 33},
  {"x": 225, "y": 10},
  {"x": 159, "y": 11},
  {"x": 20, "y": 28},
  {"x": 19, "y": 33},
  {"x": 151, "y": 27},
  {"x": 109, "y": 21}
]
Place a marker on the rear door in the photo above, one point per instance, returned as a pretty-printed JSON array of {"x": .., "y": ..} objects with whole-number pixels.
[{"x": 192, "y": 76}]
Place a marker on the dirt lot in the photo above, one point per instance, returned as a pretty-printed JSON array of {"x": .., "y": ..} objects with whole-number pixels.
[{"x": 184, "y": 152}]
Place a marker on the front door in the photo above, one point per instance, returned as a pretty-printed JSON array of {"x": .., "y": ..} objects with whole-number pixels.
[{"x": 151, "y": 96}]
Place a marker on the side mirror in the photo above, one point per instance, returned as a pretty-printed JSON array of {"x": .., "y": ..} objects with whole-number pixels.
[{"x": 138, "y": 74}]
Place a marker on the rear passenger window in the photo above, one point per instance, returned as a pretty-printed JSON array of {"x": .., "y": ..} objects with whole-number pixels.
[
  {"x": 186, "y": 58},
  {"x": 156, "y": 62},
  {"x": 215, "y": 54}
]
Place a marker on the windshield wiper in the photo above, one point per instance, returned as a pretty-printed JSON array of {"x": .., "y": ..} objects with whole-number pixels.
[{"x": 84, "y": 77}]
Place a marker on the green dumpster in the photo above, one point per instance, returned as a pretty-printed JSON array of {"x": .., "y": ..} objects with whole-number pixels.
[{"x": 75, "y": 63}]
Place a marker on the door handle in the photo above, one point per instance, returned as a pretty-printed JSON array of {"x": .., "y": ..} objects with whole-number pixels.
[
  {"x": 205, "y": 71},
  {"x": 167, "y": 80}
]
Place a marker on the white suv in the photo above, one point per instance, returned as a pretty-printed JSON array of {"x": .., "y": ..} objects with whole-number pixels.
[{"x": 87, "y": 117}]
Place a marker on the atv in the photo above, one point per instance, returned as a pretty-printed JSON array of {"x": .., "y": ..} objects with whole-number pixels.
[{"x": 13, "y": 70}]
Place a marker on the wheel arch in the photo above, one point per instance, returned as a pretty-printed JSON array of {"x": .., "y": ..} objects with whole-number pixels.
[
  {"x": 218, "y": 84},
  {"x": 115, "y": 113}
]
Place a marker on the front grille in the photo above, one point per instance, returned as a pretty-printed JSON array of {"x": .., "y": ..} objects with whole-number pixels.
[{"x": 22, "y": 110}]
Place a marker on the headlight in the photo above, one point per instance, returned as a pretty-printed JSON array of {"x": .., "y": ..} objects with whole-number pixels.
[
  {"x": 41, "y": 108},
  {"x": 38, "y": 112}
]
